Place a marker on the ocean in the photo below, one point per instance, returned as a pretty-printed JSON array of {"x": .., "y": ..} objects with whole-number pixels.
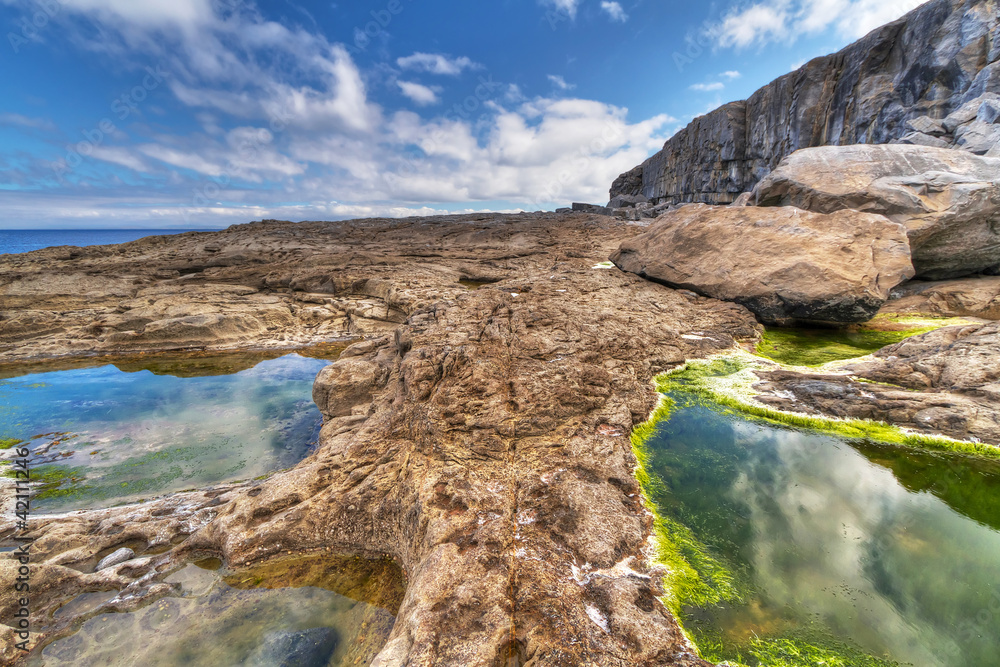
[{"x": 26, "y": 240}]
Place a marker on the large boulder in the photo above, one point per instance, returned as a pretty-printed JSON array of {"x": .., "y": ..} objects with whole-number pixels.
[
  {"x": 784, "y": 264},
  {"x": 949, "y": 200}
]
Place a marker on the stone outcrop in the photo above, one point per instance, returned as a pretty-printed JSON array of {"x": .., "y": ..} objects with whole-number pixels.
[
  {"x": 784, "y": 264},
  {"x": 481, "y": 440},
  {"x": 966, "y": 297},
  {"x": 973, "y": 127},
  {"x": 927, "y": 64},
  {"x": 948, "y": 200},
  {"x": 946, "y": 381}
]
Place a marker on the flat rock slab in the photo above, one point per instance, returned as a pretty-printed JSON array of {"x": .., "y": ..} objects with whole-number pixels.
[
  {"x": 784, "y": 264},
  {"x": 949, "y": 200},
  {"x": 478, "y": 435}
]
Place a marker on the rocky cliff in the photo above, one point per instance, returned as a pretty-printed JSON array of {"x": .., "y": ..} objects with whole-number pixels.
[{"x": 929, "y": 63}]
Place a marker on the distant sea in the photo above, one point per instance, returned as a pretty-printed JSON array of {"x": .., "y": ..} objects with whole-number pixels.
[{"x": 26, "y": 240}]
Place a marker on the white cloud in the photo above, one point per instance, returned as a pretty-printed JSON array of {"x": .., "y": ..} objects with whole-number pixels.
[
  {"x": 436, "y": 63},
  {"x": 17, "y": 120},
  {"x": 286, "y": 108},
  {"x": 615, "y": 11},
  {"x": 560, "y": 82},
  {"x": 731, "y": 75},
  {"x": 568, "y": 7},
  {"x": 785, "y": 20},
  {"x": 418, "y": 93},
  {"x": 707, "y": 87}
]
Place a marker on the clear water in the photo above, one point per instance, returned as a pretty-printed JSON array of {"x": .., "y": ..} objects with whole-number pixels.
[
  {"x": 26, "y": 240},
  {"x": 102, "y": 436},
  {"x": 893, "y": 552},
  {"x": 209, "y": 622}
]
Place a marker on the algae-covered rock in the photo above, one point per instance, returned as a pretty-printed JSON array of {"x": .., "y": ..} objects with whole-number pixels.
[
  {"x": 784, "y": 264},
  {"x": 308, "y": 648}
]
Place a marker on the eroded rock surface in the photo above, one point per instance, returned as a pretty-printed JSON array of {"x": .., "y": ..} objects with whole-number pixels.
[
  {"x": 949, "y": 200},
  {"x": 928, "y": 64},
  {"x": 479, "y": 437},
  {"x": 977, "y": 296},
  {"x": 785, "y": 264},
  {"x": 946, "y": 381}
]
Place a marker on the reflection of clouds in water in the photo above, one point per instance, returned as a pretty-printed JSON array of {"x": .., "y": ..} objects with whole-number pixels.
[
  {"x": 258, "y": 420},
  {"x": 817, "y": 508}
]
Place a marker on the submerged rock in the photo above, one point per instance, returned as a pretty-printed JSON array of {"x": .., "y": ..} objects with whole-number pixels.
[
  {"x": 308, "y": 648},
  {"x": 115, "y": 558},
  {"x": 784, "y": 264},
  {"x": 948, "y": 200}
]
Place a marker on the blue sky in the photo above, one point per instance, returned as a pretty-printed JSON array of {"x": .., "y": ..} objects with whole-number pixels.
[{"x": 205, "y": 113}]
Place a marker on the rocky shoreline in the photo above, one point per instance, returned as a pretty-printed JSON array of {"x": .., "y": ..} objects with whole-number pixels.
[{"x": 478, "y": 437}]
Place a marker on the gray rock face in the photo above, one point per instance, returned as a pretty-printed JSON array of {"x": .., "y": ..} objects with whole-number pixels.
[
  {"x": 115, "y": 558},
  {"x": 927, "y": 64},
  {"x": 309, "y": 648},
  {"x": 784, "y": 264},
  {"x": 591, "y": 208},
  {"x": 948, "y": 200},
  {"x": 626, "y": 201}
]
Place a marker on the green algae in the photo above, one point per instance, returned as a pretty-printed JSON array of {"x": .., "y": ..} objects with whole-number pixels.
[
  {"x": 697, "y": 578},
  {"x": 815, "y": 347},
  {"x": 9, "y": 443},
  {"x": 727, "y": 381}
]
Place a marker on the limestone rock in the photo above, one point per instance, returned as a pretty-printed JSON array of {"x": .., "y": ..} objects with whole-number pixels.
[
  {"x": 784, "y": 264},
  {"x": 591, "y": 208},
  {"x": 927, "y": 64},
  {"x": 964, "y": 297},
  {"x": 308, "y": 648},
  {"x": 948, "y": 200},
  {"x": 921, "y": 139},
  {"x": 626, "y": 201},
  {"x": 115, "y": 558},
  {"x": 978, "y": 137},
  {"x": 927, "y": 125}
]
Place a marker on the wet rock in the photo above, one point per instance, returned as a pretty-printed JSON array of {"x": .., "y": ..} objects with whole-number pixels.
[
  {"x": 784, "y": 264},
  {"x": 949, "y": 200},
  {"x": 308, "y": 648},
  {"x": 115, "y": 558}
]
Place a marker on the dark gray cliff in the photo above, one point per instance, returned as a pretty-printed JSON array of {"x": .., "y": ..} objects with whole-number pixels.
[{"x": 928, "y": 63}]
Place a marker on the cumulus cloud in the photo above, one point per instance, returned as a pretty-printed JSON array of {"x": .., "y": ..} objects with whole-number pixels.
[
  {"x": 437, "y": 63},
  {"x": 418, "y": 93},
  {"x": 761, "y": 23},
  {"x": 282, "y": 115},
  {"x": 614, "y": 11},
  {"x": 731, "y": 75},
  {"x": 560, "y": 83},
  {"x": 567, "y": 7},
  {"x": 707, "y": 87}
]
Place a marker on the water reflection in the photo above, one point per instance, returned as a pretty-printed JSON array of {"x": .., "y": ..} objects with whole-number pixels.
[
  {"x": 100, "y": 436},
  {"x": 829, "y": 542},
  {"x": 323, "y": 612}
]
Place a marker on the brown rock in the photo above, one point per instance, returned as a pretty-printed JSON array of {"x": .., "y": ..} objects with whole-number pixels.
[
  {"x": 784, "y": 264},
  {"x": 948, "y": 200},
  {"x": 964, "y": 297}
]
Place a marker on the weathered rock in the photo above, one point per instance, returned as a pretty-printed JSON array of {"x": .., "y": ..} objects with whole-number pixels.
[
  {"x": 965, "y": 297},
  {"x": 784, "y": 264},
  {"x": 627, "y": 201},
  {"x": 920, "y": 139},
  {"x": 946, "y": 381},
  {"x": 978, "y": 137},
  {"x": 927, "y": 125},
  {"x": 591, "y": 208},
  {"x": 948, "y": 200},
  {"x": 485, "y": 448},
  {"x": 308, "y": 648},
  {"x": 116, "y": 558},
  {"x": 927, "y": 64}
]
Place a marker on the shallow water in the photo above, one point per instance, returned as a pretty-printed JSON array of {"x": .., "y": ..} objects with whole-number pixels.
[
  {"x": 889, "y": 552},
  {"x": 213, "y": 620},
  {"x": 101, "y": 436}
]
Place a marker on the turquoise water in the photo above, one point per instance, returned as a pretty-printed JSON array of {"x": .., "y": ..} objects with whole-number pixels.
[
  {"x": 26, "y": 240},
  {"x": 851, "y": 549},
  {"x": 102, "y": 436},
  {"x": 206, "y": 621}
]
